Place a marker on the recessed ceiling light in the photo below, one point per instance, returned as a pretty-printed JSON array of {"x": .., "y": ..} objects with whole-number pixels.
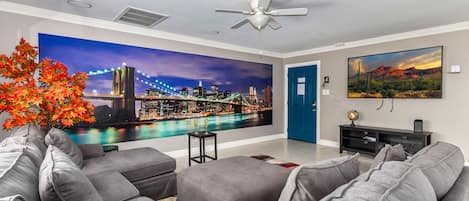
[{"x": 80, "y": 3}]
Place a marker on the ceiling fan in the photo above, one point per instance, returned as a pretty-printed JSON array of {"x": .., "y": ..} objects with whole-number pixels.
[{"x": 261, "y": 15}]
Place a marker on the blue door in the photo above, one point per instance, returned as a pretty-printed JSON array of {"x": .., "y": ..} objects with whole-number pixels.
[{"x": 302, "y": 103}]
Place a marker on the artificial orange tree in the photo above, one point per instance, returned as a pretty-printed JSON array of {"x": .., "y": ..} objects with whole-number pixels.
[{"x": 42, "y": 92}]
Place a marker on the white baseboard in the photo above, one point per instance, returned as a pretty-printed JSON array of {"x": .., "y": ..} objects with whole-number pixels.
[
  {"x": 227, "y": 145},
  {"x": 328, "y": 143}
]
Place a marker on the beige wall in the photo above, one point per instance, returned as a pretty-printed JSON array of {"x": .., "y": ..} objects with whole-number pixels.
[
  {"x": 14, "y": 26},
  {"x": 448, "y": 117}
]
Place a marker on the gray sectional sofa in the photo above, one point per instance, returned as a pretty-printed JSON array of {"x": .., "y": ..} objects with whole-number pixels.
[
  {"x": 142, "y": 174},
  {"x": 50, "y": 168}
]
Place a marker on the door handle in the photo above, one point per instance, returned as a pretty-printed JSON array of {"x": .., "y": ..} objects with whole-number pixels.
[{"x": 314, "y": 105}]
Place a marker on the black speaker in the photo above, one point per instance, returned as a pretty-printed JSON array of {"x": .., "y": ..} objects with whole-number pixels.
[{"x": 418, "y": 125}]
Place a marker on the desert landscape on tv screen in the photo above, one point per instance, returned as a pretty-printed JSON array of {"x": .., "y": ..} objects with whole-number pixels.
[{"x": 406, "y": 74}]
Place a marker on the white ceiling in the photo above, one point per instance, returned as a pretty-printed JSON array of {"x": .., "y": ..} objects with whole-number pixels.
[{"x": 329, "y": 21}]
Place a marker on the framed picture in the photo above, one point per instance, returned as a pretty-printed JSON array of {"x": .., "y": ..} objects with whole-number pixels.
[{"x": 406, "y": 74}]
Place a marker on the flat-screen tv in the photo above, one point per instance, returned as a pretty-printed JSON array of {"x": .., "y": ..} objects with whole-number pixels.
[{"x": 406, "y": 74}]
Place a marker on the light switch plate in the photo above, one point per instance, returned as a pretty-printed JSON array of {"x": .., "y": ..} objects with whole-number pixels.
[
  {"x": 455, "y": 69},
  {"x": 326, "y": 92}
]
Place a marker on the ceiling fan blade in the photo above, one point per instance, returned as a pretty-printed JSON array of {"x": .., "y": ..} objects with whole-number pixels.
[
  {"x": 288, "y": 12},
  {"x": 274, "y": 24},
  {"x": 240, "y": 23},
  {"x": 233, "y": 11}
]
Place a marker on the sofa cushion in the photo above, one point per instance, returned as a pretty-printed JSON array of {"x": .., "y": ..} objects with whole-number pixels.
[
  {"x": 13, "y": 198},
  {"x": 389, "y": 153},
  {"x": 18, "y": 175},
  {"x": 61, "y": 140},
  {"x": 390, "y": 181},
  {"x": 134, "y": 164},
  {"x": 232, "y": 179},
  {"x": 33, "y": 148},
  {"x": 112, "y": 186},
  {"x": 61, "y": 179},
  {"x": 460, "y": 190},
  {"x": 33, "y": 133},
  {"x": 312, "y": 182},
  {"x": 441, "y": 163}
]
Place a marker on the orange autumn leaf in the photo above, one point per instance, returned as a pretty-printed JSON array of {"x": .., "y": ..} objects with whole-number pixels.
[{"x": 54, "y": 99}]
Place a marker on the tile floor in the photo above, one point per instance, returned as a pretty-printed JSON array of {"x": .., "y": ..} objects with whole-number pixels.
[{"x": 283, "y": 149}]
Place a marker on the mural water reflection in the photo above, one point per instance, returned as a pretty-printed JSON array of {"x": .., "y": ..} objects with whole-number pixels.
[{"x": 159, "y": 129}]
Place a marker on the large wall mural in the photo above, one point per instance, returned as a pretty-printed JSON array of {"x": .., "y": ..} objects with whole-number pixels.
[{"x": 143, "y": 93}]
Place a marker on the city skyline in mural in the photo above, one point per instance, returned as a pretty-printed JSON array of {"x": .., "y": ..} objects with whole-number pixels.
[{"x": 143, "y": 93}]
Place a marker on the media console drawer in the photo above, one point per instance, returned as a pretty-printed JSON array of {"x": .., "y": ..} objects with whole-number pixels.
[{"x": 369, "y": 140}]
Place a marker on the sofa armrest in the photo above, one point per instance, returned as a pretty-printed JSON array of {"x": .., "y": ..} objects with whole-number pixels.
[
  {"x": 460, "y": 189},
  {"x": 91, "y": 150}
]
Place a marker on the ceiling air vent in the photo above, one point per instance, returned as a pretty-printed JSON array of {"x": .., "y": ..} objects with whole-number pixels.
[{"x": 141, "y": 17}]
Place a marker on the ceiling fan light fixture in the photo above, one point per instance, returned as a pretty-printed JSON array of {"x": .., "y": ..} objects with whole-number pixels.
[
  {"x": 80, "y": 3},
  {"x": 259, "y": 21},
  {"x": 262, "y": 15}
]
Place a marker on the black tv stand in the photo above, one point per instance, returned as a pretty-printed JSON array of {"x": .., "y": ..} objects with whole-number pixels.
[{"x": 369, "y": 140}]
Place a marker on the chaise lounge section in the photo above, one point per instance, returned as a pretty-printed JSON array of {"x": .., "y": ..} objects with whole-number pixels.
[{"x": 151, "y": 171}]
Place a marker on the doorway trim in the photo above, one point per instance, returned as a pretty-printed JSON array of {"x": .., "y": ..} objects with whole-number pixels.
[{"x": 318, "y": 95}]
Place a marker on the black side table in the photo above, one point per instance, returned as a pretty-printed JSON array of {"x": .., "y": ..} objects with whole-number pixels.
[{"x": 202, "y": 155}]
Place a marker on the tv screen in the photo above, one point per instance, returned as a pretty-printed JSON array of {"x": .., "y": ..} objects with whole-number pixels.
[{"x": 405, "y": 74}]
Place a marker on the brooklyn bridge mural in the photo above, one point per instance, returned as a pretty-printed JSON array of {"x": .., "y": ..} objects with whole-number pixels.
[{"x": 143, "y": 93}]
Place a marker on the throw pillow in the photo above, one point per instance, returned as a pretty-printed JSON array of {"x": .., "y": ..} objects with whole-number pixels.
[
  {"x": 389, "y": 181},
  {"x": 62, "y": 141},
  {"x": 31, "y": 148},
  {"x": 33, "y": 133},
  {"x": 314, "y": 181},
  {"x": 389, "y": 153},
  {"x": 18, "y": 175},
  {"x": 61, "y": 180},
  {"x": 13, "y": 198},
  {"x": 28, "y": 130},
  {"x": 442, "y": 163}
]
